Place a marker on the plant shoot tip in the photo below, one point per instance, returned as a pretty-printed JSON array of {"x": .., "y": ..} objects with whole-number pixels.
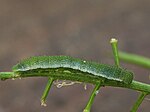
[{"x": 113, "y": 40}]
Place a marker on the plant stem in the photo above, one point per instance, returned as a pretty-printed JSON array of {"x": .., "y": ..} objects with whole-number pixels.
[
  {"x": 135, "y": 59},
  {"x": 114, "y": 45},
  {"x": 46, "y": 91},
  {"x": 91, "y": 100},
  {"x": 135, "y": 85},
  {"x": 138, "y": 102}
]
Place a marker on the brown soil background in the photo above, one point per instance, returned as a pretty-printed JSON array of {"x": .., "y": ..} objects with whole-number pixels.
[{"x": 79, "y": 28}]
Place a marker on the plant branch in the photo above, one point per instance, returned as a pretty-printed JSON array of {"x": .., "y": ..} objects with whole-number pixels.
[
  {"x": 135, "y": 85},
  {"x": 138, "y": 102},
  {"x": 114, "y": 45},
  {"x": 135, "y": 59}
]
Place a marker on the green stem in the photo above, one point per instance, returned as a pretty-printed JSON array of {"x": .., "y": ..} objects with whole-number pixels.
[
  {"x": 46, "y": 91},
  {"x": 139, "y": 86},
  {"x": 7, "y": 75},
  {"x": 135, "y": 85},
  {"x": 114, "y": 45},
  {"x": 138, "y": 102},
  {"x": 135, "y": 59},
  {"x": 91, "y": 100}
]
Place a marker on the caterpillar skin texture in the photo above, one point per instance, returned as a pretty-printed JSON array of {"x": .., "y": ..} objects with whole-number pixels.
[{"x": 68, "y": 68}]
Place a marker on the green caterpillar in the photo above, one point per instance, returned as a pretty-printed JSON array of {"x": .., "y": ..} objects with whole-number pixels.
[{"x": 68, "y": 68}]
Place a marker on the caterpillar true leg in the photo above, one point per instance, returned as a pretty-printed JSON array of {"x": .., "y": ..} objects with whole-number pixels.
[
  {"x": 94, "y": 93},
  {"x": 46, "y": 91}
]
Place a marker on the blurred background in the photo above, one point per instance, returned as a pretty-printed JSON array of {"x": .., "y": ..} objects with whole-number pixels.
[{"x": 78, "y": 28}]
